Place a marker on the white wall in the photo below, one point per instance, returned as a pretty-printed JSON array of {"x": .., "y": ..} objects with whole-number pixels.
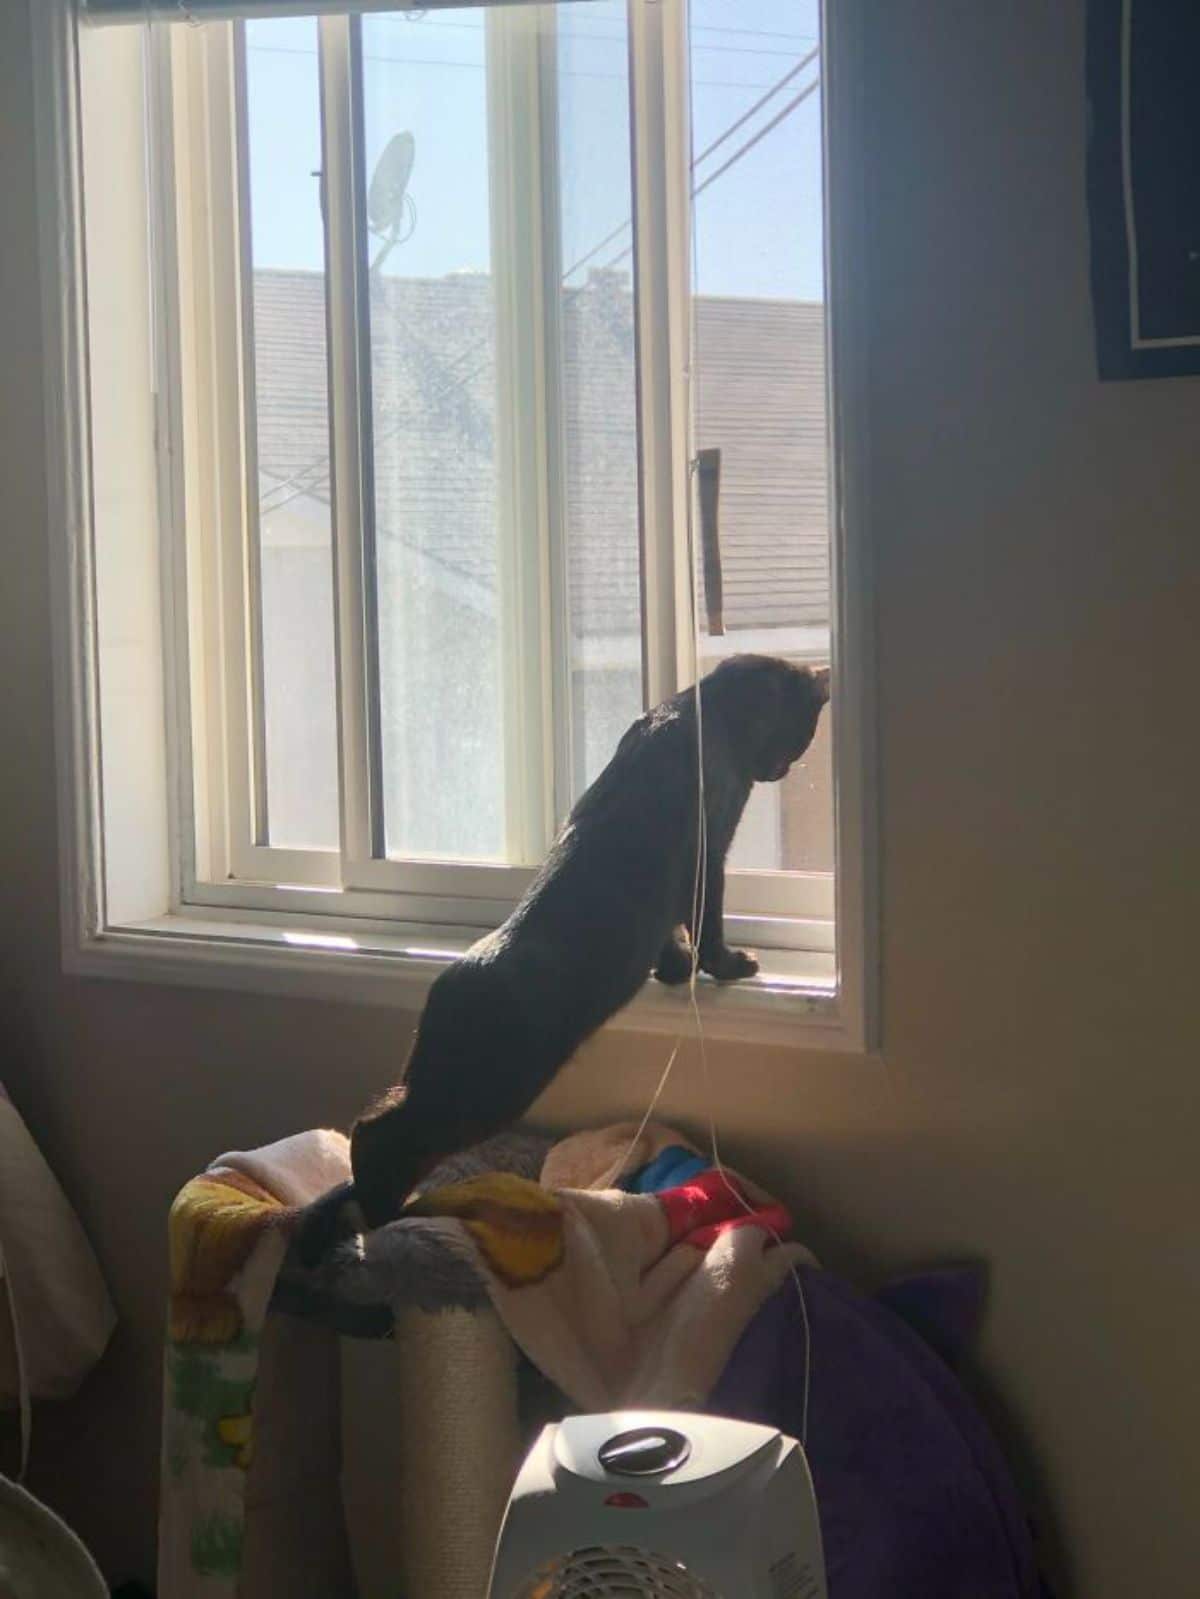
[{"x": 1039, "y": 590}]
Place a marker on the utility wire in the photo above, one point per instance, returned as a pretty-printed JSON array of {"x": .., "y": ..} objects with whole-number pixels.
[
  {"x": 480, "y": 66},
  {"x": 300, "y": 480},
  {"x": 757, "y": 106},
  {"x": 743, "y": 150},
  {"x": 707, "y": 151}
]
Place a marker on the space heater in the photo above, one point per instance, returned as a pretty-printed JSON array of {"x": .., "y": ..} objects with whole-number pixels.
[{"x": 660, "y": 1505}]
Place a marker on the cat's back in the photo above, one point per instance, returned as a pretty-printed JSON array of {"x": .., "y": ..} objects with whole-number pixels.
[
  {"x": 590, "y": 926},
  {"x": 649, "y": 780}
]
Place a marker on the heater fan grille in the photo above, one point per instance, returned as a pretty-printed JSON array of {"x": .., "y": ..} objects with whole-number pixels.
[{"x": 615, "y": 1573}]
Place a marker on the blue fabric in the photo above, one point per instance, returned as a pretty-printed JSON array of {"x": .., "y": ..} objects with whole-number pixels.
[
  {"x": 1143, "y": 181},
  {"x": 669, "y": 1169}
]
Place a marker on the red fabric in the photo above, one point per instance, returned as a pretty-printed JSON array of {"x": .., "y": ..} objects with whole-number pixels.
[{"x": 699, "y": 1211}]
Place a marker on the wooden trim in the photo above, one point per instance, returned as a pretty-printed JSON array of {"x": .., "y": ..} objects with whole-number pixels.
[
  {"x": 848, "y": 247},
  {"x": 68, "y": 477}
]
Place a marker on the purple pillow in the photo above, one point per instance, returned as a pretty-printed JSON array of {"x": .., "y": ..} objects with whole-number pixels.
[{"x": 915, "y": 1499}]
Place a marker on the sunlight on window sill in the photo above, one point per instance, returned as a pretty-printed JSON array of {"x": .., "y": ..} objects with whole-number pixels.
[{"x": 793, "y": 998}]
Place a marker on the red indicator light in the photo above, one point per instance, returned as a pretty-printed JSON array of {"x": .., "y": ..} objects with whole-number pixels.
[{"x": 627, "y": 1501}]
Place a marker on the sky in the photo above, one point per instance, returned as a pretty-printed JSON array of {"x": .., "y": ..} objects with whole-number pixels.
[{"x": 758, "y": 226}]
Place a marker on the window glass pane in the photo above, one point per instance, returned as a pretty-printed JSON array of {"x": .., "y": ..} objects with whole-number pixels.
[
  {"x": 598, "y": 380},
  {"x": 759, "y": 371},
  {"x": 433, "y": 411},
  {"x": 283, "y": 139}
]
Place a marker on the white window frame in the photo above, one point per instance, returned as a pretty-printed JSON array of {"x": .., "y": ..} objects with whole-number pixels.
[{"x": 241, "y": 914}]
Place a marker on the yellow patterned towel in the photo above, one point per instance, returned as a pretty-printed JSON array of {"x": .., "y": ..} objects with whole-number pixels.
[
  {"x": 228, "y": 1231},
  {"x": 621, "y": 1299},
  {"x": 214, "y": 1226},
  {"x": 227, "y": 1234},
  {"x": 516, "y": 1225}
]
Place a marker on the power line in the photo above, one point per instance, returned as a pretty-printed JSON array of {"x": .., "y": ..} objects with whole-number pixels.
[
  {"x": 306, "y": 489},
  {"x": 809, "y": 89},
  {"x": 738, "y": 154},
  {"x": 479, "y": 66},
  {"x": 707, "y": 151},
  {"x": 618, "y": 31},
  {"x": 751, "y": 33},
  {"x": 757, "y": 106},
  {"x": 300, "y": 480},
  {"x": 300, "y": 477}
]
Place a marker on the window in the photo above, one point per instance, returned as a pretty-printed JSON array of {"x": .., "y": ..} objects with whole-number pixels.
[{"x": 407, "y": 334}]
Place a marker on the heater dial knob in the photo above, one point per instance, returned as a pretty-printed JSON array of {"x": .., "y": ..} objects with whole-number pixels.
[{"x": 644, "y": 1452}]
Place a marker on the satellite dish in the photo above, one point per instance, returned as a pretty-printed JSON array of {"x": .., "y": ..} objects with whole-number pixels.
[{"x": 386, "y": 209}]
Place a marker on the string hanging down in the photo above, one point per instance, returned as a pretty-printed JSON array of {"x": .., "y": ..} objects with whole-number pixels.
[
  {"x": 697, "y": 921},
  {"x": 701, "y": 476}
]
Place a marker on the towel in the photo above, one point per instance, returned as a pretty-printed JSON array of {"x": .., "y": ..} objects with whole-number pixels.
[
  {"x": 228, "y": 1231},
  {"x": 617, "y": 1298},
  {"x": 250, "y": 1500},
  {"x": 622, "y": 1299}
]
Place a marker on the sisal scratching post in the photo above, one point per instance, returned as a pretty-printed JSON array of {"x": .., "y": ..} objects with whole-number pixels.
[
  {"x": 295, "y": 1544},
  {"x": 462, "y": 1448}
]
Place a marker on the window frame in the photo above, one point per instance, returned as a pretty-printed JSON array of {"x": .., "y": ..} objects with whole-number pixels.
[{"x": 434, "y": 897}]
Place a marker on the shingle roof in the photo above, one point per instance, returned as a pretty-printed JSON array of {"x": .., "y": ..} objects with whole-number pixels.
[{"x": 760, "y": 371}]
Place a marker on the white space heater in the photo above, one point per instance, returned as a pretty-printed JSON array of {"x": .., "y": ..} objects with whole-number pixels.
[{"x": 661, "y": 1505}]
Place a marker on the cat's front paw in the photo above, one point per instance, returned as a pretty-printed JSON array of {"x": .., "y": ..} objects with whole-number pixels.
[{"x": 726, "y": 964}]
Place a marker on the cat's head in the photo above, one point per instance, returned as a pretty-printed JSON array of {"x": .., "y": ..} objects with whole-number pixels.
[{"x": 770, "y": 709}]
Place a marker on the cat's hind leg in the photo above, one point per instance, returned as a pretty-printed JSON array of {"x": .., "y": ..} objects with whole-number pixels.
[
  {"x": 328, "y": 1221},
  {"x": 675, "y": 959}
]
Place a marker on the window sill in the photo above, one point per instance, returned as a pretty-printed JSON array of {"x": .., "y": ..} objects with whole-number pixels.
[{"x": 793, "y": 1000}]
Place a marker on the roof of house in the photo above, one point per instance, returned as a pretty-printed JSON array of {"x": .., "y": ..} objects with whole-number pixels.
[{"x": 760, "y": 375}]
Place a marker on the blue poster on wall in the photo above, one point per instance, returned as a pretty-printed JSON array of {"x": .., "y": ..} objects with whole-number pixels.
[{"x": 1143, "y": 72}]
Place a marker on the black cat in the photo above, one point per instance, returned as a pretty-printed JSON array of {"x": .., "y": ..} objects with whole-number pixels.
[{"x": 612, "y": 902}]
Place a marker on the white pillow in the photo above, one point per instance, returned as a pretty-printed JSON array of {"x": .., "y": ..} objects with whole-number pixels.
[{"x": 55, "y": 1314}]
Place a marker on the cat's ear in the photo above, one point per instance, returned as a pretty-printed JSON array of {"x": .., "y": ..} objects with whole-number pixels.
[{"x": 820, "y": 677}]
